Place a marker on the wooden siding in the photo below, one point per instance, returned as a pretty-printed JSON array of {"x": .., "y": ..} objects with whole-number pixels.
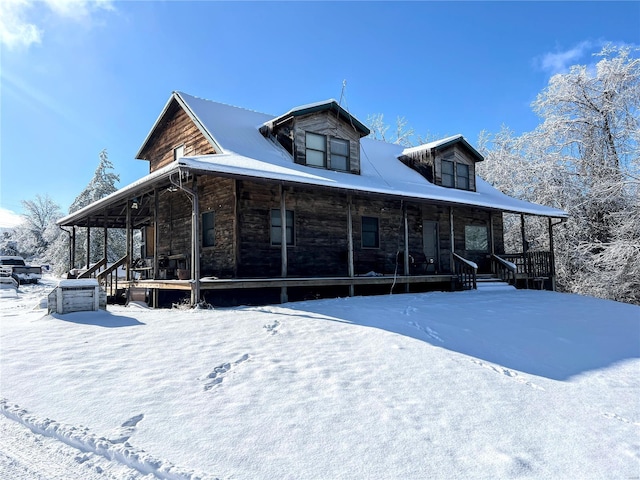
[
  {"x": 326, "y": 123},
  {"x": 218, "y": 195},
  {"x": 174, "y": 129},
  {"x": 174, "y": 232}
]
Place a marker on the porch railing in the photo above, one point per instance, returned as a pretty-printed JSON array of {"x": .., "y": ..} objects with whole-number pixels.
[
  {"x": 531, "y": 265},
  {"x": 466, "y": 271},
  {"x": 504, "y": 269}
]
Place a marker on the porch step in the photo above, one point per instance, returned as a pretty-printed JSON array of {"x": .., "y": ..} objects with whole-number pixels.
[{"x": 491, "y": 283}]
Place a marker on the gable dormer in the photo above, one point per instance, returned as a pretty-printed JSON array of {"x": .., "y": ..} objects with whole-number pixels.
[
  {"x": 321, "y": 135},
  {"x": 450, "y": 162}
]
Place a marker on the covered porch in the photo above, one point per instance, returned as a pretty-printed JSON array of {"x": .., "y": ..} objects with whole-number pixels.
[{"x": 150, "y": 274}]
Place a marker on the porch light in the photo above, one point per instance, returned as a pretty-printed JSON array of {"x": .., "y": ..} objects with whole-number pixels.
[{"x": 135, "y": 204}]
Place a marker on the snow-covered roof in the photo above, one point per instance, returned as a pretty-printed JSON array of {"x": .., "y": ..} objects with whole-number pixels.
[
  {"x": 443, "y": 143},
  {"x": 332, "y": 105},
  {"x": 246, "y": 153}
]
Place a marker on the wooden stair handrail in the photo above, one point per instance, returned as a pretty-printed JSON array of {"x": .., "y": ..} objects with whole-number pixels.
[
  {"x": 468, "y": 272},
  {"x": 505, "y": 266},
  {"x": 113, "y": 267},
  {"x": 93, "y": 269}
]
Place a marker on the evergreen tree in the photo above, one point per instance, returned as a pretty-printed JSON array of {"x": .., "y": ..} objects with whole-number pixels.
[{"x": 102, "y": 184}]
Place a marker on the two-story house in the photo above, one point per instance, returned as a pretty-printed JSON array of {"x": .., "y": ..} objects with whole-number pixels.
[{"x": 240, "y": 205}]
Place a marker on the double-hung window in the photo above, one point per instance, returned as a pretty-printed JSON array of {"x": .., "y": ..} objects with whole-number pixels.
[
  {"x": 462, "y": 176},
  {"x": 339, "y": 154},
  {"x": 316, "y": 150},
  {"x": 448, "y": 177},
  {"x": 276, "y": 227},
  {"x": 370, "y": 232},
  {"x": 455, "y": 174},
  {"x": 333, "y": 154}
]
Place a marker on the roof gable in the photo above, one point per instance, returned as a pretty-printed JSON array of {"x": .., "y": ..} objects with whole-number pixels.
[
  {"x": 442, "y": 144},
  {"x": 330, "y": 105}
]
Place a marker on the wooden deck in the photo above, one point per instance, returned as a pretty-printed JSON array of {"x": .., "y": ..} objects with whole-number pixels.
[{"x": 231, "y": 283}]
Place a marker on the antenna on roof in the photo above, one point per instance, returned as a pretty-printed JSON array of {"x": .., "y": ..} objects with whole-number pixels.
[
  {"x": 343, "y": 96},
  {"x": 344, "y": 87}
]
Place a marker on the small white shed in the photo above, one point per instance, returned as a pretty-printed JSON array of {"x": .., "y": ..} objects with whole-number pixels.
[{"x": 77, "y": 295}]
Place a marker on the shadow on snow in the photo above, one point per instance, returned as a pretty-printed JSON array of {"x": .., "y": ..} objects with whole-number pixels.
[
  {"x": 100, "y": 318},
  {"x": 548, "y": 334}
]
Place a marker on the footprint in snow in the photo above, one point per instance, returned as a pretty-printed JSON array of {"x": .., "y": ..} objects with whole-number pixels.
[
  {"x": 122, "y": 433},
  {"x": 508, "y": 373},
  {"x": 220, "y": 372},
  {"x": 272, "y": 328},
  {"x": 427, "y": 331}
]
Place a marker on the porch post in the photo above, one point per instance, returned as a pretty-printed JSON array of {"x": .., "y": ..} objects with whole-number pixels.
[
  {"x": 283, "y": 242},
  {"x": 552, "y": 259},
  {"x": 155, "y": 245},
  {"x": 452, "y": 241},
  {"x": 491, "y": 234},
  {"x": 88, "y": 243},
  {"x": 105, "y": 231},
  {"x": 72, "y": 256},
  {"x": 350, "y": 244},
  {"x": 128, "y": 239},
  {"x": 525, "y": 249},
  {"x": 195, "y": 244},
  {"x": 406, "y": 245}
]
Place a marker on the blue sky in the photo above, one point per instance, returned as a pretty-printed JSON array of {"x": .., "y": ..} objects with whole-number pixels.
[{"x": 79, "y": 76}]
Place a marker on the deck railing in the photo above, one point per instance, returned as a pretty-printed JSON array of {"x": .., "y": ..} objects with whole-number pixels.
[
  {"x": 466, "y": 271},
  {"x": 531, "y": 265}
]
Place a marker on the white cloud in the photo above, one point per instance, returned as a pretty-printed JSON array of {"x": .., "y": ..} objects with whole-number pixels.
[
  {"x": 9, "y": 219},
  {"x": 14, "y": 29},
  {"x": 559, "y": 62},
  {"x": 17, "y": 29}
]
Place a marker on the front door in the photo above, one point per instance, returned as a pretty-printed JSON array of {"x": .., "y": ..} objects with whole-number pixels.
[{"x": 430, "y": 246}]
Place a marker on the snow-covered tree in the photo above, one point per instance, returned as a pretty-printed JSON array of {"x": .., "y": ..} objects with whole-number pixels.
[
  {"x": 102, "y": 184},
  {"x": 584, "y": 158},
  {"x": 38, "y": 238}
]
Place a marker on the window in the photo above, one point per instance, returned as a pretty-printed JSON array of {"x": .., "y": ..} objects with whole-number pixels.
[
  {"x": 339, "y": 154},
  {"x": 455, "y": 174},
  {"x": 462, "y": 176},
  {"x": 476, "y": 238},
  {"x": 276, "y": 227},
  {"x": 317, "y": 154},
  {"x": 370, "y": 232},
  {"x": 178, "y": 152},
  {"x": 208, "y": 230},
  {"x": 316, "y": 150},
  {"x": 447, "y": 174}
]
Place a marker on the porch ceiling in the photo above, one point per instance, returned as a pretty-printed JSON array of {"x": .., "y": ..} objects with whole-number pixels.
[{"x": 111, "y": 211}]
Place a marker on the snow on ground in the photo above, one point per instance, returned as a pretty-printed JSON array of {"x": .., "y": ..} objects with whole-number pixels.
[{"x": 480, "y": 384}]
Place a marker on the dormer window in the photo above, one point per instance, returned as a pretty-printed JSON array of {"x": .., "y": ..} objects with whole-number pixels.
[
  {"x": 454, "y": 174},
  {"x": 337, "y": 156},
  {"x": 316, "y": 151},
  {"x": 321, "y": 135}
]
